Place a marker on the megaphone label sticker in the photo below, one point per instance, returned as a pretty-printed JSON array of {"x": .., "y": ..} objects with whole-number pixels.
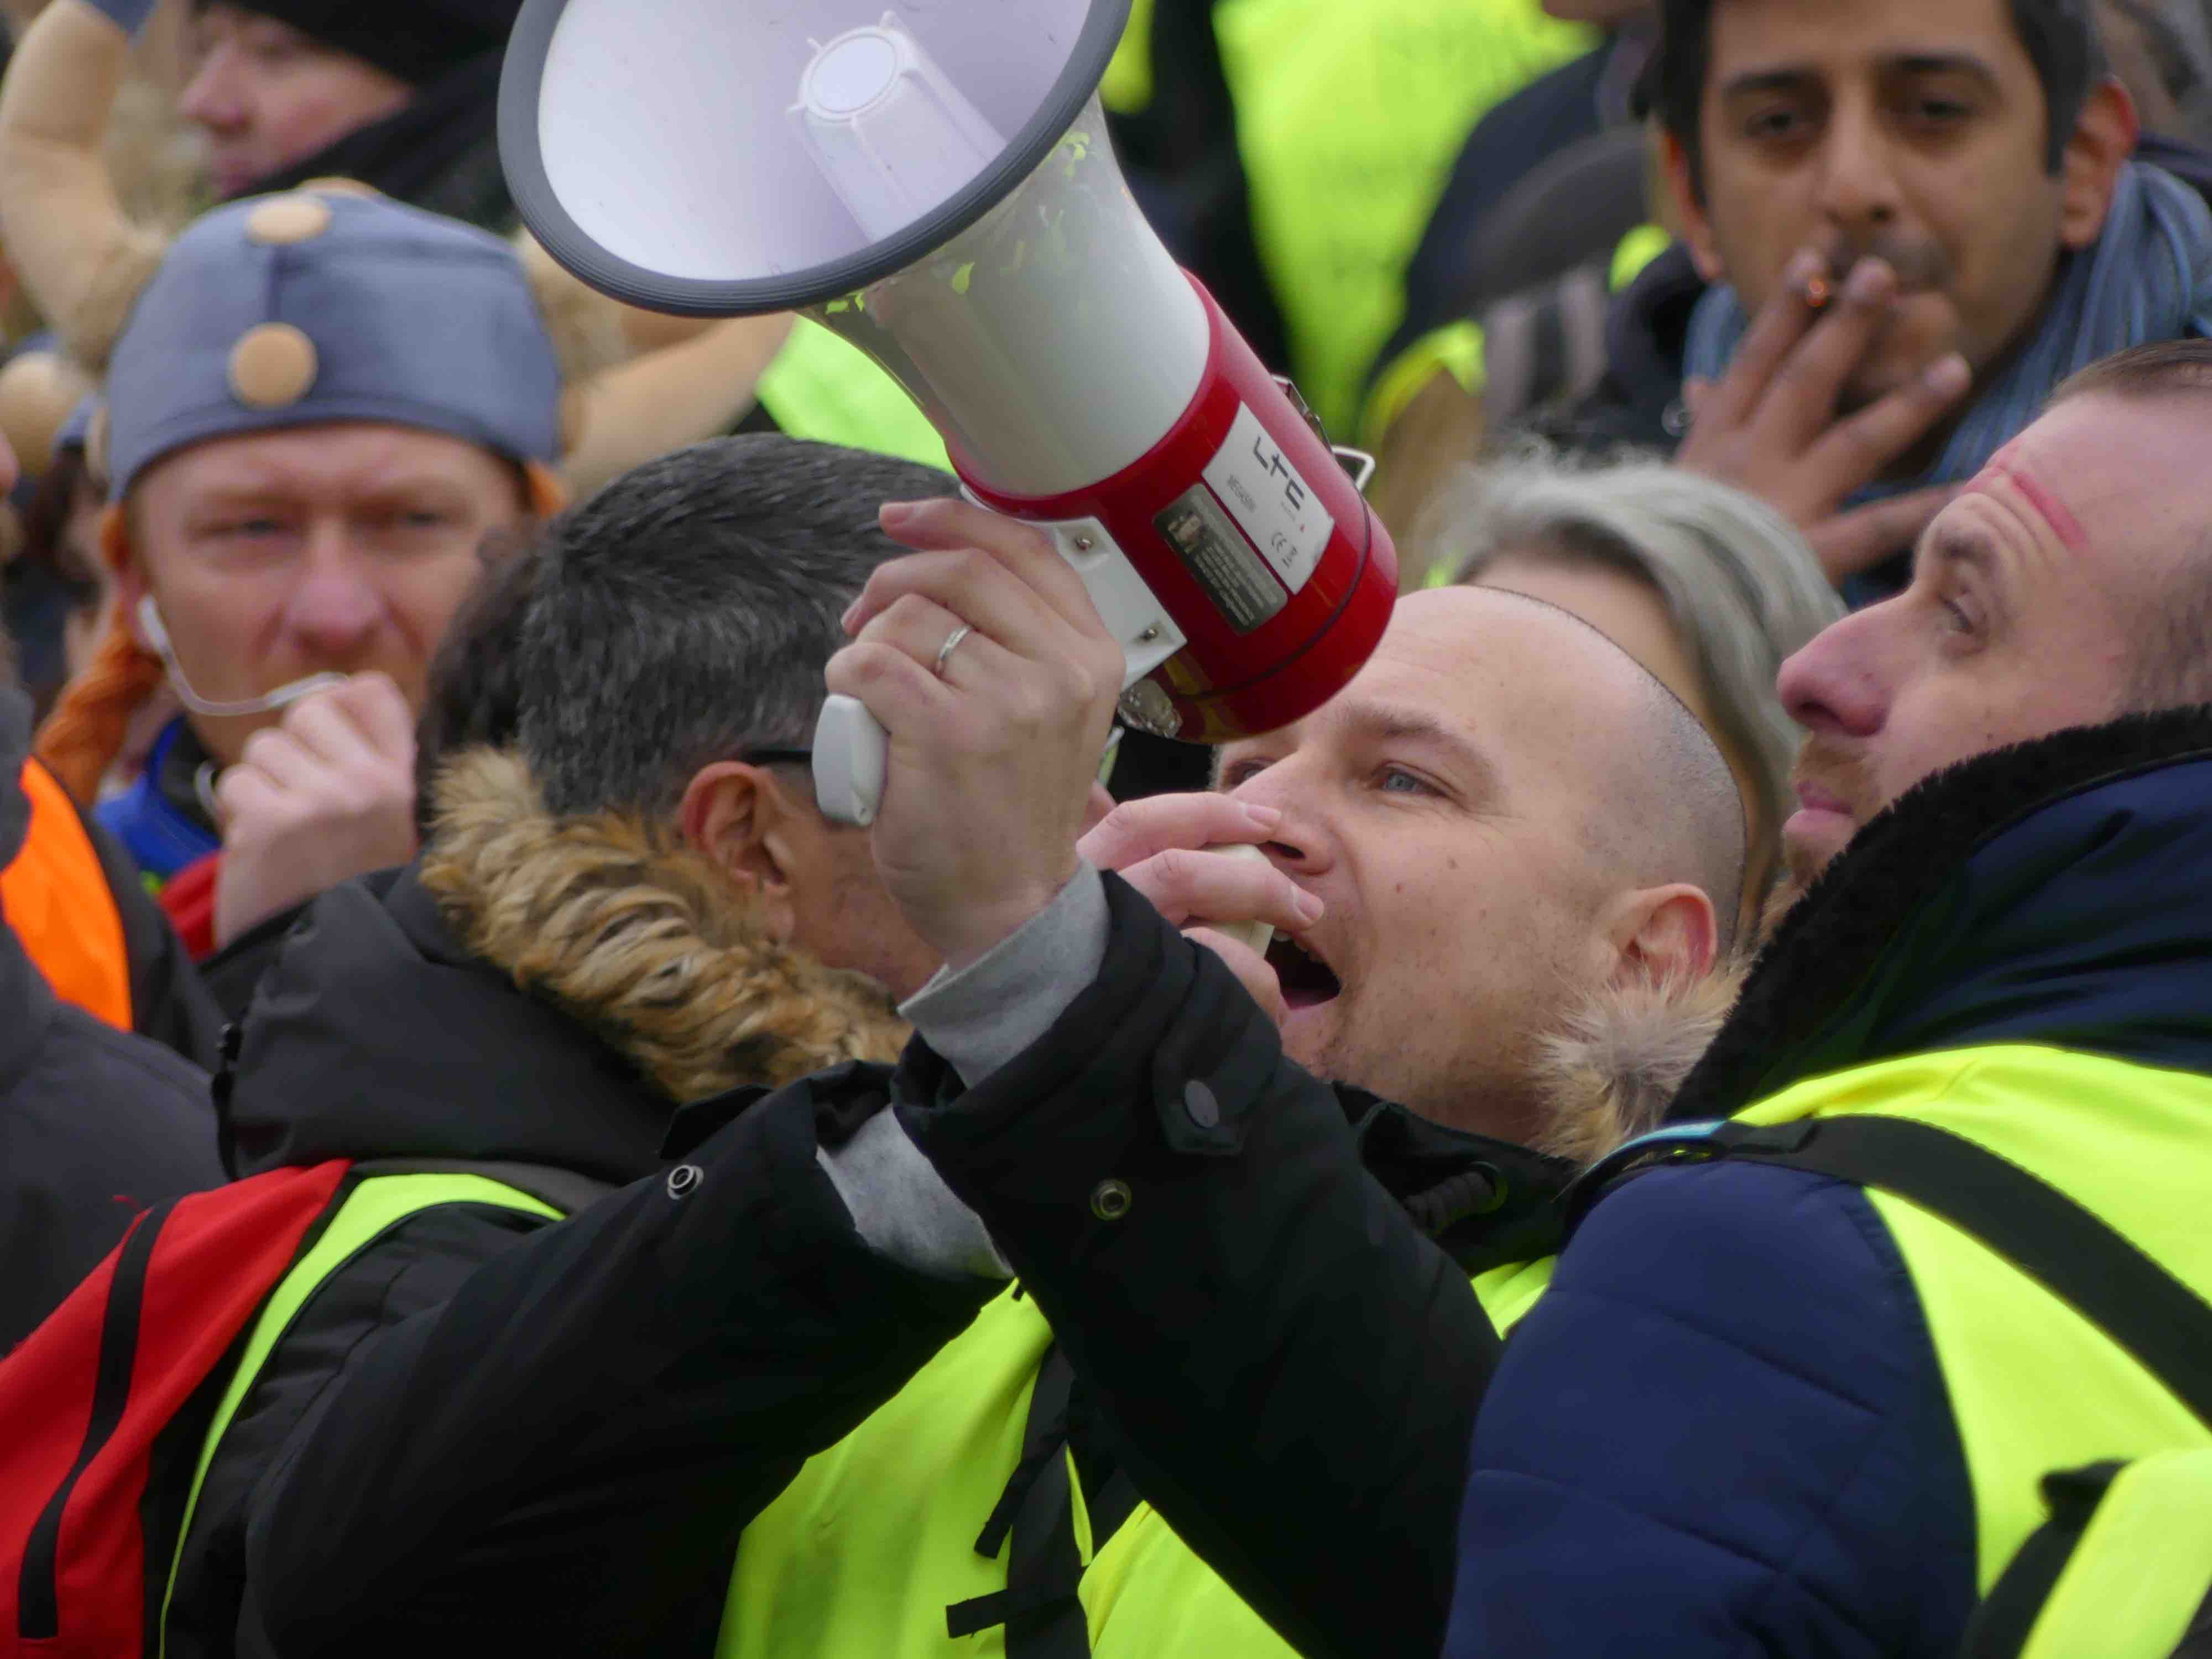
[
  {"x": 1271, "y": 501},
  {"x": 1221, "y": 560}
]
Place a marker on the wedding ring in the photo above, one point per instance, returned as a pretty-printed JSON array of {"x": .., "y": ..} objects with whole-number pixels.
[{"x": 951, "y": 641}]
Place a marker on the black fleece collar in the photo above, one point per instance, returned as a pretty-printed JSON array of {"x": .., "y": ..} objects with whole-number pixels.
[{"x": 2051, "y": 891}]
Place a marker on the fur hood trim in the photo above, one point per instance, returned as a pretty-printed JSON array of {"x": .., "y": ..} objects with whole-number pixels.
[
  {"x": 1611, "y": 1072},
  {"x": 647, "y": 944}
]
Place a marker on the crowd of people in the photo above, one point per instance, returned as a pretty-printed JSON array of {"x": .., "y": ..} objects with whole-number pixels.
[{"x": 1689, "y": 1138}]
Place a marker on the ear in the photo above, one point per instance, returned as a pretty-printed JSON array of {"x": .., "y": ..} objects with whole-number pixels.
[
  {"x": 1660, "y": 934},
  {"x": 2104, "y": 137},
  {"x": 737, "y": 817},
  {"x": 1685, "y": 211}
]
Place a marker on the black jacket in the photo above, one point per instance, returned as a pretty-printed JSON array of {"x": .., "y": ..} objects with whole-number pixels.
[
  {"x": 590, "y": 1421},
  {"x": 95, "y": 1124},
  {"x": 1608, "y": 1513},
  {"x": 377, "y": 1036},
  {"x": 1245, "y": 1173},
  {"x": 420, "y": 1463},
  {"x": 559, "y": 1455}
]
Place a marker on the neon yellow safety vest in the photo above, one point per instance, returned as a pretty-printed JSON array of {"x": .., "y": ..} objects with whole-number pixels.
[
  {"x": 1349, "y": 118},
  {"x": 2138, "y": 1577},
  {"x": 2034, "y": 1387},
  {"x": 373, "y": 1208},
  {"x": 865, "y": 1549}
]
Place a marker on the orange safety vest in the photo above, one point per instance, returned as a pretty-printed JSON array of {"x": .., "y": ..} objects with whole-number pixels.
[{"x": 56, "y": 896}]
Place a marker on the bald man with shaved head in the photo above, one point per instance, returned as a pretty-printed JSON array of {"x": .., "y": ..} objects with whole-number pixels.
[
  {"x": 1503, "y": 813},
  {"x": 1841, "y": 1360}
]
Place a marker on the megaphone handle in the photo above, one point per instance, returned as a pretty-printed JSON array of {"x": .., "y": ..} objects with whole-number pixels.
[
  {"x": 1254, "y": 936},
  {"x": 850, "y": 750}
]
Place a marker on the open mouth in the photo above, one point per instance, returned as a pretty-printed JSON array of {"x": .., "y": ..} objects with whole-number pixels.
[{"x": 1306, "y": 979}]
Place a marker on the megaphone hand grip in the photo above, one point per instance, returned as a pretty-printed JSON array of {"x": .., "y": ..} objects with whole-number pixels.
[
  {"x": 727, "y": 161},
  {"x": 851, "y": 749},
  {"x": 851, "y": 752},
  {"x": 1253, "y": 936}
]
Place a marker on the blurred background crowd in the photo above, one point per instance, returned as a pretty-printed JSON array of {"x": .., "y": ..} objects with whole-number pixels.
[{"x": 1686, "y": 318}]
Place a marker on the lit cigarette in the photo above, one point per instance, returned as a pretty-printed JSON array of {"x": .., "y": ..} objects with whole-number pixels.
[{"x": 1818, "y": 292}]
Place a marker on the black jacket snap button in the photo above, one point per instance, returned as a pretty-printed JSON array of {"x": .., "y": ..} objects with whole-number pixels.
[{"x": 1198, "y": 1100}]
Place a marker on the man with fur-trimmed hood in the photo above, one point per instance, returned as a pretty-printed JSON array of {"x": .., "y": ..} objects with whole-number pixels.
[
  {"x": 595, "y": 1443},
  {"x": 626, "y": 903}
]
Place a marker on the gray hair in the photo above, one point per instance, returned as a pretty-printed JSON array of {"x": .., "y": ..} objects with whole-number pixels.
[
  {"x": 685, "y": 614},
  {"x": 1740, "y": 582}
]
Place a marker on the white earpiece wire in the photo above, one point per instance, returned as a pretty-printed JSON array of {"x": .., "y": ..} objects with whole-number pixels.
[{"x": 157, "y": 636}]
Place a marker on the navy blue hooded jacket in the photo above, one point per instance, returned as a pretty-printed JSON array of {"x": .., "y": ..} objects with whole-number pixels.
[{"x": 1780, "y": 1472}]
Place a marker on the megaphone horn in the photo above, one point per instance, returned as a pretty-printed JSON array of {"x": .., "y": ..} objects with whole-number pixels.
[{"x": 935, "y": 183}]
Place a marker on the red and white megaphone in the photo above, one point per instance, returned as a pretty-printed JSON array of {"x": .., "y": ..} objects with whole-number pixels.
[{"x": 935, "y": 183}]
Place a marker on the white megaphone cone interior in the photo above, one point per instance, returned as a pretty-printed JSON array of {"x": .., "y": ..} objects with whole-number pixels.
[{"x": 935, "y": 183}]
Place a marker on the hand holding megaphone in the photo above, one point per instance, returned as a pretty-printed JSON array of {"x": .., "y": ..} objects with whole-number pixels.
[
  {"x": 993, "y": 743},
  {"x": 934, "y": 183}
]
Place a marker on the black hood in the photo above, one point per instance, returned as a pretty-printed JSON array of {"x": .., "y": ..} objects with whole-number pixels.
[
  {"x": 2053, "y": 892},
  {"x": 376, "y": 1035}
]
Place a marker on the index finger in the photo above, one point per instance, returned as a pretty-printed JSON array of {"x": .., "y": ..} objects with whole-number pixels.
[
  {"x": 1801, "y": 398},
  {"x": 1137, "y": 830},
  {"x": 943, "y": 525},
  {"x": 1780, "y": 323}
]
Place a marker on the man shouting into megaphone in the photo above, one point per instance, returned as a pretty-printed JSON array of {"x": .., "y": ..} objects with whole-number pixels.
[{"x": 662, "y": 1403}]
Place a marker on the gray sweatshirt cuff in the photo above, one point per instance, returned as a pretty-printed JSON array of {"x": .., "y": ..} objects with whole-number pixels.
[
  {"x": 902, "y": 1208},
  {"x": 978, "y": 1019}
]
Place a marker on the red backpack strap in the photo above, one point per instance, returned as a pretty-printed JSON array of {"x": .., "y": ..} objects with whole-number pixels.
[{"x": 88, "y": 1392}]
